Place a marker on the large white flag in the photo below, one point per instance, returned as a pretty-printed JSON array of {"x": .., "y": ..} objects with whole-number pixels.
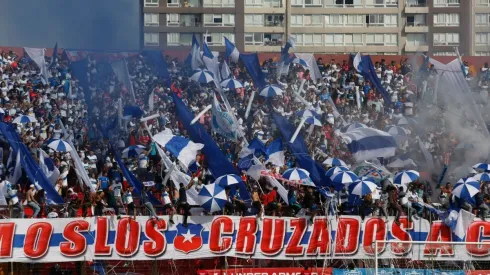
[
  {"x": 48, "y": 167},
  {"x": 37, "y": 55}
]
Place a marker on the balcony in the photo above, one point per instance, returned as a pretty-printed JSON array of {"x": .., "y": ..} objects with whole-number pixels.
[
  {"x": 412, "y": 27},
  {"x": 184, "y": 3}
]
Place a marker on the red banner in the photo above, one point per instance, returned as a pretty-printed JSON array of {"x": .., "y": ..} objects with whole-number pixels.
[
  {"x": 478, "y": 272},
  {"x": 267, "y": 271}
]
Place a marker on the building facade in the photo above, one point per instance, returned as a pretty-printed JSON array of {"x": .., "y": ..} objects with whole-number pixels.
[{"x": 323, "y": 26}]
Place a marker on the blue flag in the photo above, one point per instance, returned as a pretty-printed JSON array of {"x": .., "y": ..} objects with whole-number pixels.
[
  {"x": 133, "y": 111},
  {"x": 34, "y": 172},
  {"x": 160, "y": 66},
  {"x": 217, "y": 161},
  {"x": 368, "y": 71},
  {"x": 80, "y": 70},
  {"x": 194, "y": 58},
  {"x": 252, "y": 63},
  {"x": 54, "y": 56},
  {"x": 231, "y": 51}
]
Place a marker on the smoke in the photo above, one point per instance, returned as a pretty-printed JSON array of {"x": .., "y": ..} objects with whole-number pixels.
[{"x": 87, "y": 24}]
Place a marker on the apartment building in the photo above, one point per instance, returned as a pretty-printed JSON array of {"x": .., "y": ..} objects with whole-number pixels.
[{"x": 322, "y": 26}]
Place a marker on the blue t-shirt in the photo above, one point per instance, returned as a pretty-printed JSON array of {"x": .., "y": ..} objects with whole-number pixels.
[{"x": 104, "y": 183}]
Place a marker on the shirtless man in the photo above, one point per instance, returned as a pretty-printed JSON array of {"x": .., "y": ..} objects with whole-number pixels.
[{"x": 31, "y": 201}]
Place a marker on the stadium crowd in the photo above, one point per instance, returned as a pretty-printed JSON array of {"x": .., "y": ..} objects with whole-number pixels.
[{"x": 66, "y": 114}]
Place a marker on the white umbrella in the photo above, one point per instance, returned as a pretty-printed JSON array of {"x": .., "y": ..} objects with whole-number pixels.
[{"x": 60, "y": 145}]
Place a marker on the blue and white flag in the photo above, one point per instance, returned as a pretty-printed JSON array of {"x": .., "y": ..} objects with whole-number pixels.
[
  {"x": 183, "y": 149},
  {"x": 48, "y": 167},
  {"x": 222, "y": 121},
  {"x": 285, "y": 55},
  {"x": 17, "y": 171},
  {"x": 252, "y": 63},
  {"x": 258, "y": 146},
  {"x": 275, "y": 153},
  {"x": 225, "y": 71},
  {"x": 231, "y": 51},
  {"x": 370, "y": 143},
  {"x": 211, "y": 62},
  {"x": 194, "y": 58},
  {"x": 357, "y": 62}
]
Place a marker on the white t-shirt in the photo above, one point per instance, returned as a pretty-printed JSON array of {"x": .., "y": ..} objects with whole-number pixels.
[
  {"x": 116, "y": 189},
  {"x": 143, "y": 161},
  {"x": 92, "y": 160},
  {"x": 166, "y": 198},
  {"x": 128, "y": 197}
]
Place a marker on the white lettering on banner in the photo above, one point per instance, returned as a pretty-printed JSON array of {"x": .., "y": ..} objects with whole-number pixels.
[{"x": 106, "y": 238}]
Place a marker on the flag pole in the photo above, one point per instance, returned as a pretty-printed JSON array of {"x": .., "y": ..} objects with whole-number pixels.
[{"x": 201, "y": 114}]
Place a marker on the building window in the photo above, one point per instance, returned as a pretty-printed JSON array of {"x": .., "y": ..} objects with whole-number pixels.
[
  {"x": 388, "y": 20},
  {"x": 306, "y": 20},
  {"x": 354, "y": 20},
  {"x": 179, "y": 39},
  {"x": 416, "y": 39},
  {"x": 273, "y": 39},
  {"x": 220, "y": 20},
  {"x": 483, "y": 3},
  {"x": 219, "y": 3},
  {"x": 217, "y": 39},
  {"x": 444, "y": 54},
  {"x": 482, "y": 19},
  {"x": 482, "y": 38},
  {"x": 334, "y": 20},
  {"x": 388, "y": 39},
  {"x": 254, "y": 39},
  {"x": 381, "y": 3},
  {"x": 254, "y": 19},
  {"x": 442, "y": 39},
  {"x": 173, "y": 19},
  {"x": 263, "y": 3},
  {"x": 152, "y": 19},
  {"x": 482, "y": 53},
  {"x": 353, "y": 39},
  {"x": 173, "y": 3},
  {"x": 416, "y": 20},
  {"x": 343, "y": 39},
  {"x": 308, "y": 39},
  {"x": 446, "y": 3},
  {"x": 416, "y": 3},
  {"x": 306, "y": 3},
  {"x": 273, "y": 20},
  {"x": 446, "y": 19},
  {"x": 296, "y": 20},
  {"x": 343, "y": 3},
  {"x": 152, "y": 39},
  {"x": 151, "y": 3},
  {"x": 334, "y": 39}
]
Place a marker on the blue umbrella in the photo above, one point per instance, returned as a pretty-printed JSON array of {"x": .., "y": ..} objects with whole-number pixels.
[
  {"x": 482, "y": 166},
  {"x": 344, "y": 177},
  {"x": 334, "y": 170},
  {"x": 296, "y": 174},
  {"x": 405, "y": 177},
  {"x": 362, "y": 187},
  {"x": 398, "y": 131},
  {"x": 133, "y": 151},
  {"x": 60, "y": 145},
  {"x": 270, "y": 91},
  {"x": 482, "y": 177},
  {"x": 24, "y": 119},
  {"x": 202, "y": 76},
  {"x": 301, "y": 62},
  {"x": 212, "y": 197},
  {"x": 231, "y": 84},
  {"x": 334, "y": 162},
  {"x": 354, "y": 126},
  {"x": 466, "y": 189},
  {"x": 228, "y": 180}
]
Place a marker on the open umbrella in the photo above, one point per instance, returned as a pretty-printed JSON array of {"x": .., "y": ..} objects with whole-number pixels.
[
  {"x": 482, "y": 177},
  {"x": 406, "y": 121},
  {"x": 344, "y": 177},
  {"x": 231, "y": 84},
  {"x": 228, "y": 180},
  {"x": 60, "y": 145},
  {"x": 466, "y": 188},
  {"x": 301, "y": 62},
  {"x": 334, "y": 162},
  {"x": 133, "y": 151},
  {"x": 362, "y": 187},
  {"x": 405, "y": 177},
  {"x": 482, "y": 166},
  {"x": 334, "y": 170},
  {"x": 398, "y": 131},
  {"x": 270, "y": 91},
  {"x": 296, "y": 174},
  {"x": 354, "y": 126},
  {"x": 202, "y": 76},
  {"x": 212, "y": 197},
  {"x": 24, "y": 119}
]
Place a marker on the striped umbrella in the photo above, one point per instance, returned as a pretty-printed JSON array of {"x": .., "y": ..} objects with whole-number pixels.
[
  {"x": 60, "y": 145},
  {"x": 202, "y": 76},
  {"x": 228, "y": 180},
  {"x": 482, "y": 177},
  {"x": 24, "y": 119},
  {"x": 482, "y": 166},
  {"x": 334, "y": 162},
  {"x": 270, "y": 91},
  {"x": 406, "y": 121},
  {"x": 212, "y": 197},
  {"x": 406, "y": 177},
  {"x": 466, "y": 188},
  {"x": 354, "y": 126},
  {"x": 301, "y": 62},
  {"x": 344, "y": 177},
  {"x": 362, "y": 187},
  {"x": 231, "y": 84},
  {"x": 296, "y": 174},
  {"x": 133, "y": 151},
  {"x": 334, "y": 170}
]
